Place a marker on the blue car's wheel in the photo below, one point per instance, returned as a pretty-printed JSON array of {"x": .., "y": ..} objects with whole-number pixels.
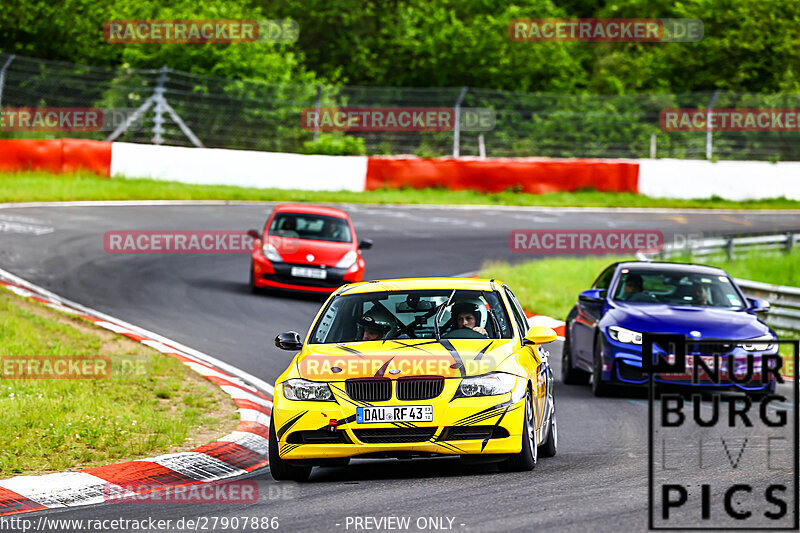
[
  {"x": 599, "y": 387},
  {"x": 569, "y": 374}
]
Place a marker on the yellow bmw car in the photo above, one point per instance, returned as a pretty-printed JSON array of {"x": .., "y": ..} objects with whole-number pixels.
[{"x": 415, "y": 367}]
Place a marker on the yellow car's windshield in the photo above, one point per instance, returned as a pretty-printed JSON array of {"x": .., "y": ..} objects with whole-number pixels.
[{"x": 469, "y": 314}]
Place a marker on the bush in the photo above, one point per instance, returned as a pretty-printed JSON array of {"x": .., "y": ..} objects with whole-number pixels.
[{"x": 335, "y": 144}]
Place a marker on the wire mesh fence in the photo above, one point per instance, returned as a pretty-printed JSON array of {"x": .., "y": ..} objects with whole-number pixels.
[{"x": 178, "y": 108}]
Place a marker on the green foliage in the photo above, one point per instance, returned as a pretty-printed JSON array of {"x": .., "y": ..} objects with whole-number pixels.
[
  {"x": 335, "y": 144},
  {"x": 749, "y": 45}
]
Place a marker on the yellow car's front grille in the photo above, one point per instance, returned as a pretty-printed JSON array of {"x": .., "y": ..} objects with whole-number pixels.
[
  {"x": 369, "y": 390},
  {"x": 419, "y": 388},
  {"x": 389, "y": 435}
]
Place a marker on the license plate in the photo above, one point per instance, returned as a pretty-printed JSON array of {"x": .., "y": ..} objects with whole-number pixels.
[
  {"x": 404, "y": 413},
  {"x": 302, "y": 272}
]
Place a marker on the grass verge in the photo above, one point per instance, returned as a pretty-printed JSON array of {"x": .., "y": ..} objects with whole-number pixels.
[
  {"x": 150, "y": 404},
  {"x": 550, "y": 286},
  {"x": 46, "y": 187}
]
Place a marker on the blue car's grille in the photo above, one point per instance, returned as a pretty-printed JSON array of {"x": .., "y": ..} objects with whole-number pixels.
[{"x": 709, "y": 348}]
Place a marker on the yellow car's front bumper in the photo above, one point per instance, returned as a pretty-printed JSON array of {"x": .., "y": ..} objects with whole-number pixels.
[{"x": 479, "y": 425}]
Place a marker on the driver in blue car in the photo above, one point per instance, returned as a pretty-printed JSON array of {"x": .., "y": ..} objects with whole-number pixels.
[
  {"x": 633, "y": 290},
  {"x": 468, "y": 316}
]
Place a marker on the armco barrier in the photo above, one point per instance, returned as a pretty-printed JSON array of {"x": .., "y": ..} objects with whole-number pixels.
[
  {"x": 56, "y": 156},
  {"x": 532, "y": 175}
]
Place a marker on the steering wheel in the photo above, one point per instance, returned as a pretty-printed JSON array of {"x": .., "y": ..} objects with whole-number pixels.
[{"x": 463, "y": 333}]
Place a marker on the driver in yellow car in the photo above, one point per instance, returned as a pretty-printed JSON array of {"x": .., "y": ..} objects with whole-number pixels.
[{"x": 468, "y": 316}]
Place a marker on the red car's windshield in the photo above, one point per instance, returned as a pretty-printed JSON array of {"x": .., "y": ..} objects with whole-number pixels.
[{"x": 309, "y": 226}]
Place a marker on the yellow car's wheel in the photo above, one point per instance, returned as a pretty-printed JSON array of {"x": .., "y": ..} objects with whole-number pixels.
[
  {"x": 281, "y": 469},
  {"x": 550, "y": 446},
  {"x": 526, "y": 459}
]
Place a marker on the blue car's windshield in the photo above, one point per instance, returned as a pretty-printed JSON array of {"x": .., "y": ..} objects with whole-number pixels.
[{"x": 676, "y": 288}]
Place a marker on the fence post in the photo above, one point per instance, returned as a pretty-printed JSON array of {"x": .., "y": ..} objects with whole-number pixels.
[
  {"x": 158, "y": 93},
  {"x": 481, "y": 147},
  {"x": 457, "y": 127},
  {"x": 709, "y": 147},
  {"x": 3, "y": 76},
  {"x": 789, "y": 241},
  {"x": 652, "y": 146},
  {"x": 317, "y": 108},
  {"x": 729, "y": 248}
]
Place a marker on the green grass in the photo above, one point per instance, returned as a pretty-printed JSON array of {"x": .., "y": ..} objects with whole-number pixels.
[
  {"x": 43, "y": 187},
  {"x": 156, "y": 405},
  {"x": 550, "y": 286},
  {"x": 770, "y": 267}
]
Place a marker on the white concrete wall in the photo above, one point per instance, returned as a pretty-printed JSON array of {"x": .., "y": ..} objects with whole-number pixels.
[
  {"x": 732, "y": 180},
  {"x": 244, "y": 168}
]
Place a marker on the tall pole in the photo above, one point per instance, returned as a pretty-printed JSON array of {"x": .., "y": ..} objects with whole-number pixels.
[
  {"x": 3, "y": 76},
  {"x": 709, "y": 147},
  {"x": 457, "y": 127}
]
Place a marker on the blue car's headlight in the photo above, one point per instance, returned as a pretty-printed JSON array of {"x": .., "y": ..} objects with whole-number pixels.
[
  {"x": 754, "y": 346},
  {"x": 625, "y": 336},
  {"x": 300, "y": 389}
]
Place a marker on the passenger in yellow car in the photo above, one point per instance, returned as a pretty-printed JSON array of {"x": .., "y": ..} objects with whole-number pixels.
[{"x": 468, "y": 316}]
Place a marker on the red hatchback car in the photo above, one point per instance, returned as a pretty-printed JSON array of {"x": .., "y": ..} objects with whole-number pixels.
[{"x": 306, "y": 248}]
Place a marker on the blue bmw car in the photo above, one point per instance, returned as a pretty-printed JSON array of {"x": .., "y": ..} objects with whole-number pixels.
[{"x": 603, "y": 335}]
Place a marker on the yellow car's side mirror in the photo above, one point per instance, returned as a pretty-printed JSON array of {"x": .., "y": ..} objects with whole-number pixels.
[{"x": 540, "y": 335}]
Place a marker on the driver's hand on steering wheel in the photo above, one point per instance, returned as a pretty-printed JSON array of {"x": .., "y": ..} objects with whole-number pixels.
[{"x": 480, "y": 330}]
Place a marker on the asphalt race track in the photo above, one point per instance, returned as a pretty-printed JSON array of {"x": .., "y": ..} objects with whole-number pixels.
[{"x": 598, "y": 480}]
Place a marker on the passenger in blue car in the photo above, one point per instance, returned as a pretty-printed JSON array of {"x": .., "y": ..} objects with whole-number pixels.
[{"x": 701, "y": 295}]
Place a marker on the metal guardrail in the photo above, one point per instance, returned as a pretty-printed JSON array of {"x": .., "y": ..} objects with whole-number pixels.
[
  {"x": 784, "y": 301},
  {"x": 784, "y": 312},
  {"x": 730, "y": 246}
]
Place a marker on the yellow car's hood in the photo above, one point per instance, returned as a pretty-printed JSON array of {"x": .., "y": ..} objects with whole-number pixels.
[{"x": 403, "y": 358}]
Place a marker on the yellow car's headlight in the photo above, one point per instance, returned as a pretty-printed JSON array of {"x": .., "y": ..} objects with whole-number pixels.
[
  {"x": 301, "y": 389},
  {"x": 492, "y": 384}
]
